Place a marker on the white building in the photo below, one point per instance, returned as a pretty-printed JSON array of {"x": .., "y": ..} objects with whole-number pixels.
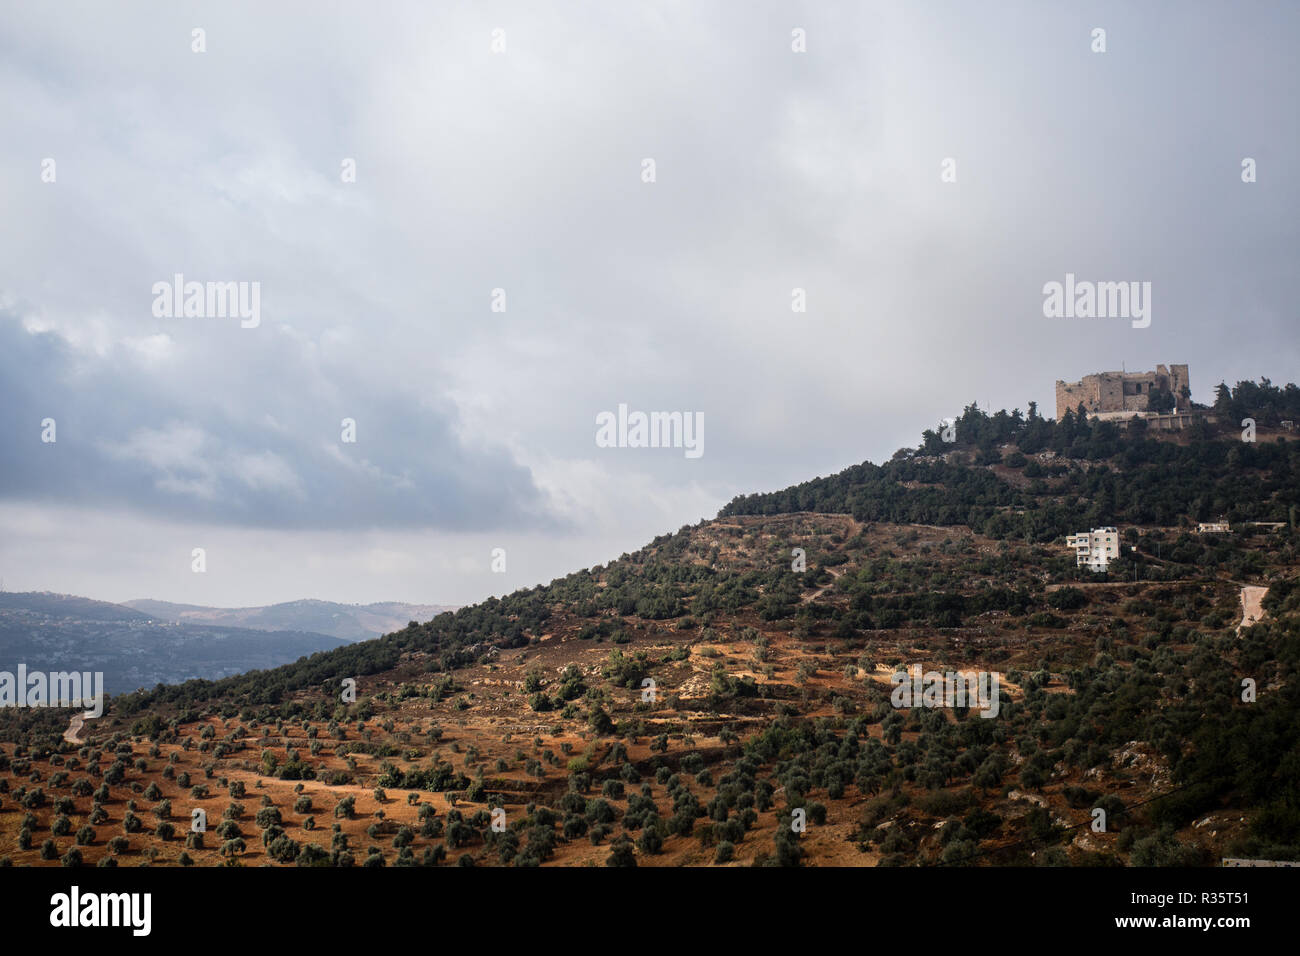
[
  {"x": 1212, "y": 527},
  {"x": 1094, "y": 549}
]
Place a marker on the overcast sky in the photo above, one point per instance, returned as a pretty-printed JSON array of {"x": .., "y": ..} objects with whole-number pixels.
[{"x": 523, "y": 170}]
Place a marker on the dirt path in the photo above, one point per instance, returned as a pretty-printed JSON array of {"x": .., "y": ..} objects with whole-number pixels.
[
  {"x": 73, "y": 734},
  {"x": 835, "y": 575},
  {"x": 1083, "y": 585},
  {"x": 1251, "y": 606}
]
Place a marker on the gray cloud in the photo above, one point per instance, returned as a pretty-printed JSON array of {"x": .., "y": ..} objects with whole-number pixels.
[
  {"x": 521, "y": 171},
  {"x": 262, "y": 449}
]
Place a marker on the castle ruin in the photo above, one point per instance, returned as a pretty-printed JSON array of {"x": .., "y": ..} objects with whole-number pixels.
[{"x": 1118, "y": 395}]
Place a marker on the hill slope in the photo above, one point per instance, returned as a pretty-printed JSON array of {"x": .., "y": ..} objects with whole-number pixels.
[{"x": 772, "y": 640}]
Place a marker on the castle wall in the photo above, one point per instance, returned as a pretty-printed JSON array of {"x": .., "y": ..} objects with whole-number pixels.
[{"x": 1070, "y": 395}]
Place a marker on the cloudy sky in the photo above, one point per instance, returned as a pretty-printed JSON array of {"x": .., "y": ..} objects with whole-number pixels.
[{"x": 522, "y": 169}]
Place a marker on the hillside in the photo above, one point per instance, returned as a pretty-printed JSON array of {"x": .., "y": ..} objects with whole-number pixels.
[
  {"x": 67, "y": 606},
  {"x": 772, "y": 689},
  {"x": 58, "y": 632},
  {"x": 350, "y": 622}
]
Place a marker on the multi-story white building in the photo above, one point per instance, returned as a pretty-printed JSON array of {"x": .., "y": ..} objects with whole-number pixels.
[{"x": 1094, "y": 549}]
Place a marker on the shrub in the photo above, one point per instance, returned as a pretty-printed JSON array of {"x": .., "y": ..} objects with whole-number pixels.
[
  {"x": 268, "y": 816},
  {"x": 283, "y": 850},
  {"x": 620, "y": 854}
]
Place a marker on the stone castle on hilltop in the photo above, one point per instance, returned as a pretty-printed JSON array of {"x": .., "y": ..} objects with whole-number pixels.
[{"x": 1119, "y": 395}]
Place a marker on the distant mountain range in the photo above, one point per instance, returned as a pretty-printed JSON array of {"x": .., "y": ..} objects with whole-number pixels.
[
  {"x": 350, "y": 622},
  {"x": 144, "y": 643}
]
